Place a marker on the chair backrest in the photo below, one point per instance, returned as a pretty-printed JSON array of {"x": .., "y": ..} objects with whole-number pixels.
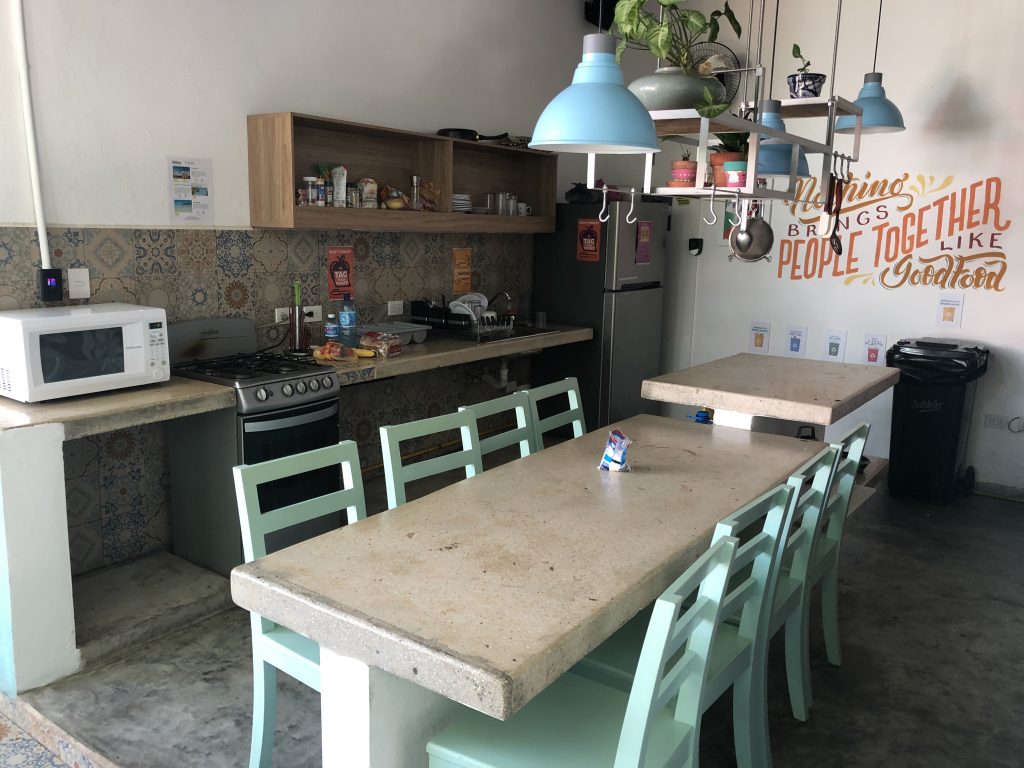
[
  {"x": 518, "y": 403},
  {"x": 256, "y": 523},
  {"x": 397, "y": 474},
  {"x": 817, "y": 474},
  {"x": 851, "y": 449},
  {"x": 654, "y": 686},
  {"x": 762, "y": 527},
  {"x": 573, "y": 415}
]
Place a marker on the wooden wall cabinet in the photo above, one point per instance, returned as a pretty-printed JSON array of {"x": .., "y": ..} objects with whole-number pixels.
[{"x": 285, "y": 146}]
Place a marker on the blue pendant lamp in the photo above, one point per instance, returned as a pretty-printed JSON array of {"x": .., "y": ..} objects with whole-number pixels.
[
  {"x": 596, "y": 113},
  {"x": 774, "y": 156},
  {"x": 880, "y": 114}
]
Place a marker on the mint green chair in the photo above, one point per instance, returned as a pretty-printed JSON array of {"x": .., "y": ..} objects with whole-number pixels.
[
  {"x": 825, "y": 558},
  {"x": 397, "y": 474},
  {"x": 791, "y": 608},
  {"x": 579, "y": 723},
  {"x": 741, "y": 648},
  {"x": 572, "y": 415},
  {"x": 275, "y": 647},
  {"x": 518, "y": 404}
]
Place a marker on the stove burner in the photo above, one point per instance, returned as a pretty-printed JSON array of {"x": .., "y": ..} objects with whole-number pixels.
[{"x": 242, "y": 367}]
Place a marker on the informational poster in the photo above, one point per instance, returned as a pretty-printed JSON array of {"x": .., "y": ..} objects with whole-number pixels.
[
  {"x": 874, "y": 349},
  {"x": 835, "y": 345},
  {"x": 760, "y": 333},
  {"x": 950, "y": 310},
  {"x": 191, "y": 190},
  {"x": 462, "y": 270},
  {"x": 796, "y": 341},
  {"x": 644, "y": 232},
  {"x": 341, "y": 273},
  {"x": 588, "y": 240}
]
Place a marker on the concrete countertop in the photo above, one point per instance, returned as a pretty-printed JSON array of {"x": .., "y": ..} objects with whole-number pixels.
[
  {"x": 489, "y": 589},
  {"x": 120, "y": 408},
  {"x": 794, "y": 389},
  {"x": 178, "y": 397}
]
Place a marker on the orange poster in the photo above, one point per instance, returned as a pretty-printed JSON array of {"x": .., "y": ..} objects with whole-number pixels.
[
  {"x": 588, "y": 240},
  {"x": 340, "y": 272},
  {"x": 462, "y": 270}
]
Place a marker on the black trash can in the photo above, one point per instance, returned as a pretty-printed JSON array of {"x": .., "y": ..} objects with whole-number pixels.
[{"x": 931, "y": 417}]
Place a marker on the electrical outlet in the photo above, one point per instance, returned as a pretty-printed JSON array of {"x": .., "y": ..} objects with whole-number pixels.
[
  {"x": 996, "y": 421},
  {"x": 281, "y": 315},
  {"x": 395, "y": 308},
  {"x": 314, "y": 313}
]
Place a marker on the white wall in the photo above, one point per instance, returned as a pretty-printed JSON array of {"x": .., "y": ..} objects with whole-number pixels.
[
  {"x": 119, "y": 86},
  {"x": 950, "y": 79}
]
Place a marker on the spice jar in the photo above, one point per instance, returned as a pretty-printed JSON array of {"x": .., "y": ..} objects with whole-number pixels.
[{"x": 310, "y": 182}]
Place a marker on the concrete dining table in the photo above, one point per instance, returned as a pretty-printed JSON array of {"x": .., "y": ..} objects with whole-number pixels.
[{"x": 483, "y": 593}]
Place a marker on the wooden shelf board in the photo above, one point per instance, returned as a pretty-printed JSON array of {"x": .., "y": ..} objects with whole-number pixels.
[
  {"x": 375, "y": 219},
  {"x": 817, "y": 107}
]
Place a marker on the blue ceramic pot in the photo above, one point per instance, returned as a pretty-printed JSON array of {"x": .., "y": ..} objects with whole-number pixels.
[
  {"x": 805, "y": 85},
  {"x": 673, "y": 88}
]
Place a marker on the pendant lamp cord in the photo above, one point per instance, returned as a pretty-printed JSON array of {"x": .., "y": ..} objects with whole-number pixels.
[
  {"x": 835, "y": 50},
  {"x": 775, "y": 37},
  {"x": 878, "y": 32},
  {"x": 600, "y": 20}
]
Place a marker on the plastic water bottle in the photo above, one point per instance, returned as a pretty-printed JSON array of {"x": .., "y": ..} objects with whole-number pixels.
[
  {"x": 347, "y": 321},
  {"x": 332, "y": 331}
]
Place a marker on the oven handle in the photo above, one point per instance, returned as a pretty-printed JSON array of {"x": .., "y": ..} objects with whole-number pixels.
[{"x": 293, "y": 421}]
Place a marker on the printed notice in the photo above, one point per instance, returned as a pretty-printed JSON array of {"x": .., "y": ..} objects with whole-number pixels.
[
  {"x": 835, "y": 346},
  {"x": 588, "y": 240},
  {"x": 191, "y": 190},
  {"x": 462, "y": 270},
  {"x": 796, "y": 341},
  {"x": 644, "y": 230},
  {"x": 760, "y": 332},
  {"x": 341, "y": 278},
  {"x": 950, "y": 310},
  {"x": 874, "y": 349}
]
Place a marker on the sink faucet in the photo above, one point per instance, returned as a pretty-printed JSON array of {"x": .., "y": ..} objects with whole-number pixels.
[{"x": 498, "y": 295}]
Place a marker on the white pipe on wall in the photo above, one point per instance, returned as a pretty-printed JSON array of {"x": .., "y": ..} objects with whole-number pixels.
[{"x": 21, "y": 54}]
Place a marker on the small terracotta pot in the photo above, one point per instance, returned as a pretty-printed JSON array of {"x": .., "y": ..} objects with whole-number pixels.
[
  {"x": 684, "y": 165},
  {"x": 718, "y": 160}
]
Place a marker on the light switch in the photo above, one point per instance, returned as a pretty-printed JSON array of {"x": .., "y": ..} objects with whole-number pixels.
[{"x": 78, "y": 283}]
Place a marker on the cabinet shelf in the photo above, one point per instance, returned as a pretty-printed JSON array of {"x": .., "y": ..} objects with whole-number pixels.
[{"x": 285, "y": 146}]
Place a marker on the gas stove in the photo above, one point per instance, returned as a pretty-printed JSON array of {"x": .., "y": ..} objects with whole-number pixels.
[{"x": 224, "y": 351}]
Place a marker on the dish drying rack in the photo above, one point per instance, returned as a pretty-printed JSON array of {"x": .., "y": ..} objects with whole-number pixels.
[{"x": 461, "y": 325}]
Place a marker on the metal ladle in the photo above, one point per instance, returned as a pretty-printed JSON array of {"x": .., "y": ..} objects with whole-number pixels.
[{"x": 742, "y": 237}]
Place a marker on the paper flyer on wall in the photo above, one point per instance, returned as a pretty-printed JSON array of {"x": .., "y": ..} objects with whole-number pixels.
[
  {"x": 760, "y": 334},
  {"x": 191, "y": 190},
  {"x": 950, "y": 310},
  {"x": 874, "y": 349},
  {"x": 341, "y": 277},
  {"x": 462, "y": 270},
  {"x": 835, "y": 346},
  {"x": 796, "y": 341}
]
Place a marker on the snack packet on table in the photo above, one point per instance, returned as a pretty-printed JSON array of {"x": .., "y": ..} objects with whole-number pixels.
[
  {"x": 614, "y": 459},
  {"x": 334, "y": 351}
]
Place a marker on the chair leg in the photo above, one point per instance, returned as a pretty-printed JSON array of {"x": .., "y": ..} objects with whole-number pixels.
[
  {"x": 830, "y": 615},
  {"x": 264, "y": 712},
  {"x": 750, "y": 717},
  {"x": 798, "y": 662}
]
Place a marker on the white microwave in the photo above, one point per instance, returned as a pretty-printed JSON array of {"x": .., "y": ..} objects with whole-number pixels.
[{"x": 64, "y": 351}]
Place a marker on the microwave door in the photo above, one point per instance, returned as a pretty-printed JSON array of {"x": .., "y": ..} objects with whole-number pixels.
[{"x": 81, "y": 354}]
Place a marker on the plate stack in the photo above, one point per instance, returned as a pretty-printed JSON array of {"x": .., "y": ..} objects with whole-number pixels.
[{"x": 461, "y": 203}]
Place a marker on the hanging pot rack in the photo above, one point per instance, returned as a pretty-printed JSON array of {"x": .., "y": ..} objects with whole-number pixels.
[{"x": 686, "y": 126}]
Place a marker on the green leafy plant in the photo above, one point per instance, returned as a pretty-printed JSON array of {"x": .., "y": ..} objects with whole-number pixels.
[
  {"x": 709, "y": 107},
  {"x": 806, "y": 67},
  {"x": 673, "y": 37},
  {"x": 732, "y": 142},
  {"x": 685, "y": 153}
]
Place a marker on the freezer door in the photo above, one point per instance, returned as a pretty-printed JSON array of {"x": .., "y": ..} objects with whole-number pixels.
[
  {"x": 635, "y": 253},
  {"x": 631, "y": 352}
]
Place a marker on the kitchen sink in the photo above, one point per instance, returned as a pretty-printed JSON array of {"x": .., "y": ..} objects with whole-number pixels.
[{"x": 517, "y": 332}]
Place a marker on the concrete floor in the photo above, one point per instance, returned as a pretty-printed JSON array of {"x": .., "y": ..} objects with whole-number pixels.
[{"x": 931, "y": 612}]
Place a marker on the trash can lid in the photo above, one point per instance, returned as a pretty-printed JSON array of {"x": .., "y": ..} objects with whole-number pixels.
[{"x": 937, "y": 360}]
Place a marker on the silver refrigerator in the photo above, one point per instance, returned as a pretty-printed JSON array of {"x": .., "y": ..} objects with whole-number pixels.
[{"x": 607, "y": 276}]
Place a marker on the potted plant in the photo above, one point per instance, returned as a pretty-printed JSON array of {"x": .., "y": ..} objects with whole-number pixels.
[
  {"x": 684, "y": 171},
  {"x": 804, "y": 83},
  {"x": 732, "y": 148},
  {"x": 681, "y": 83}
]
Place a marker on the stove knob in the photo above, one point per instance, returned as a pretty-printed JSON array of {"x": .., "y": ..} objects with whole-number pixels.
[
  {"x": 287, "y": 390},
  {"x": 262, "y": 394},
  {"x": 300, "y": 387},
  {"x": 314, "y": 385},
  {"x": 328, "y": 382}
]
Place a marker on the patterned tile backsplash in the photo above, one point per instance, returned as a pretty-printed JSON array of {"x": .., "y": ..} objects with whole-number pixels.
[{"x": 116, "y": 483}]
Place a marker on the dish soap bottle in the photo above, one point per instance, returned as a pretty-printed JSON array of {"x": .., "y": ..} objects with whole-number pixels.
[
  {"x": 347, "y": 321},
  {"x": 332, "y": 331}
]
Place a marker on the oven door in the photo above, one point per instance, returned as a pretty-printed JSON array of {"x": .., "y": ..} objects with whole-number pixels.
[{"x": 284, "y": 433}]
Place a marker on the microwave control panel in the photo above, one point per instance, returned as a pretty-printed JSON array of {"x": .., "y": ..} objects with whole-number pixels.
[{"x": 157, "y": 354}]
